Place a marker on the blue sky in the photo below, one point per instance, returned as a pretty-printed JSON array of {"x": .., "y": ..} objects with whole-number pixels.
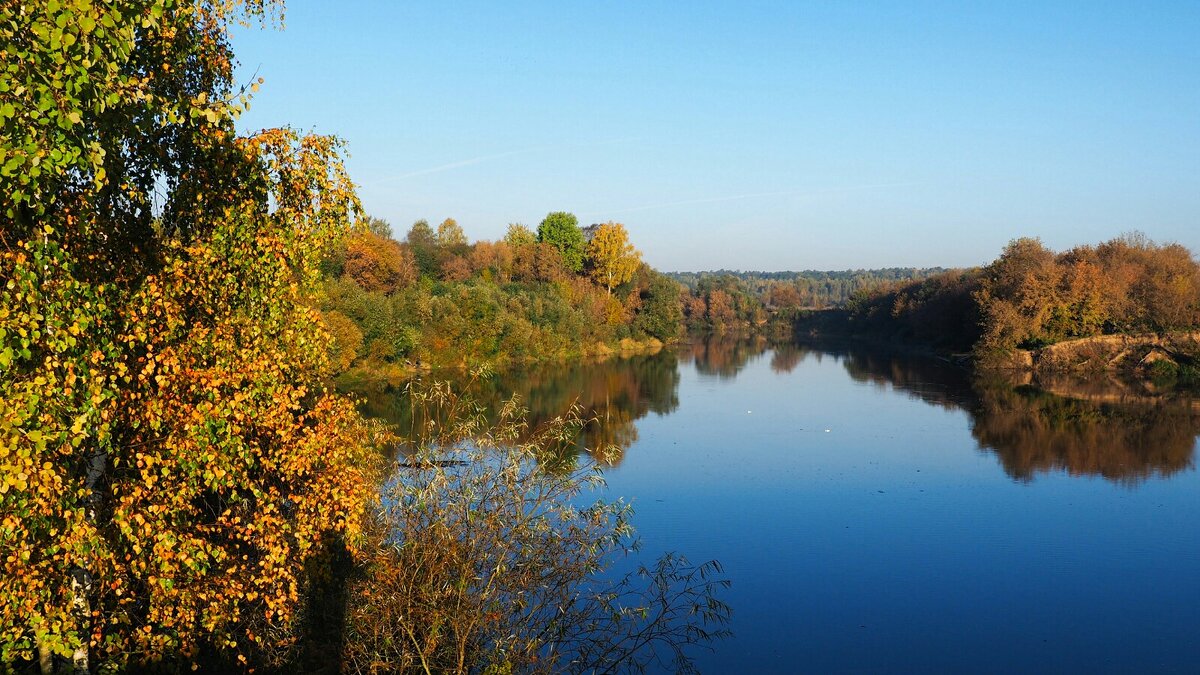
[{"x": 757, "y": 135}]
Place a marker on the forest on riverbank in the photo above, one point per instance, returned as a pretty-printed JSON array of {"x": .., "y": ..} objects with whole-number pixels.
[
  {"x": 435, "y": 299},
  {"x": 431, "y": 298},
  {"x": 1031, "y": 297}
]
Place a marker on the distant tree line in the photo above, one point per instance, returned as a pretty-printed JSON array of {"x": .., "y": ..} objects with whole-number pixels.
[
  {"x": 722, "y": 303},
  {"x": 809, "y": 289},
  {"x": 724, "y": 300}
]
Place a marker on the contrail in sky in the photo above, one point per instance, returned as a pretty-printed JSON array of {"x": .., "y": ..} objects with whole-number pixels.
[{"x": 749, "y": 195}]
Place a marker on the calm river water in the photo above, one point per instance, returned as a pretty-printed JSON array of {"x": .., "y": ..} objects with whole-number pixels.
[{"x": 886, "y": 513}]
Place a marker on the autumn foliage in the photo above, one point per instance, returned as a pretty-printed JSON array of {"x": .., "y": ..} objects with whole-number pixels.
[
  {"x": 611, "y": 259},
  {"x": 722, "y": 303},
  {"x": 378, "y": 263},
  {"x": 1031, "y": 296},
  {"x": 462, "y": 303},
  {"x": 170, "y": 460}
]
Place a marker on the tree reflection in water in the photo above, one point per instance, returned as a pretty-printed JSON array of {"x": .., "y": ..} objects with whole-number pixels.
[
  {"x": 1083, "y": 427},
  {"x": 1092, "y": 427},
  {"x": 722, "y": 356},
  {"x": 611, "y": 395},
  {"x": 1034, "y": 431}
]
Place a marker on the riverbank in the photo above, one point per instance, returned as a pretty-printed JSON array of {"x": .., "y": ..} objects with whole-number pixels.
[
  {"x": 1164, "y": 361},
  {"x": 367, "y": 375},
  {"x": 1107, "y": 353},
  {"x": 1151, "y": 362}
]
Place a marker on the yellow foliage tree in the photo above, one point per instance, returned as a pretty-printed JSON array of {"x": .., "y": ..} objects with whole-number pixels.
[
  {"x": 171, "y": 462},
  {"x": 347, "y": 339},
  {"x": 611, "y": 258},
  {"x": 450, "y": 236}
]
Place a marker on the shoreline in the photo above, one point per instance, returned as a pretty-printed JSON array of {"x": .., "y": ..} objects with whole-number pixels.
[{"x": 392, "y": 374}]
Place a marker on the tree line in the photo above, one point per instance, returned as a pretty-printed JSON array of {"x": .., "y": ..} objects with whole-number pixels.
[
  {"x": 809, "y": 289},
  {"x": 1031, "y": 296},
  {"x": 723, "y": 301}
]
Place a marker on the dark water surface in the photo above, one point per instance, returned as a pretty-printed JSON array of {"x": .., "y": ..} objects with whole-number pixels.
[{"x": 886, "y": 513}]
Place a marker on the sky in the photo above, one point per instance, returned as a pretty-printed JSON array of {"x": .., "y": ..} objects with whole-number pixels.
[{"x": 756, "y": 135}]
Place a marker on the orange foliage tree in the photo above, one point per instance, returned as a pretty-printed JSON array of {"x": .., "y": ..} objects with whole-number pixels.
[
  {"x": 1030, "y": 295},
  {"x": 720, "y": 308},
  {"x": 170, "y": 461},
  {"x": 379, "y": 263},
  {"x": 456, "y": 268}
]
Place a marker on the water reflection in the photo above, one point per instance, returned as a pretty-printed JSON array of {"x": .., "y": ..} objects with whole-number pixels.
[
  {"x": 1034, "y": 431},
  {"x": 1092, "y": 427},
  {"x": 785, "y": 357},
  {"x": 902, "y": 526},
  {"x": 722, "y": 356},
  {"x": 611, "y": 395},
  {"x": 1084, "y": 427}
]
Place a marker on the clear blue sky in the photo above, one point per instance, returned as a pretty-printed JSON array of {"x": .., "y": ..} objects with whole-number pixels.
[{"x": 757, "y": 135}]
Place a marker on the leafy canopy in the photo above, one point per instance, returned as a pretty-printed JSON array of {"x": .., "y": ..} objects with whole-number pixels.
[
  {"x": 170, "y": 460},
  {"x": 561, "y": 230},
  {"x": 612, "y": 259}
]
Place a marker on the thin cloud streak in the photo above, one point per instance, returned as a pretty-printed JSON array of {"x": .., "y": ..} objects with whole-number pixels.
[
  {"x": 751, "y": 195},
  {"x": 459, "y": 164},
  {"x": 500, "y": 155}
]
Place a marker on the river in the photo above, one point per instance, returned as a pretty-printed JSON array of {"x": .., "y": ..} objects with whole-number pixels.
[{"x": 893, "y": 513}]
